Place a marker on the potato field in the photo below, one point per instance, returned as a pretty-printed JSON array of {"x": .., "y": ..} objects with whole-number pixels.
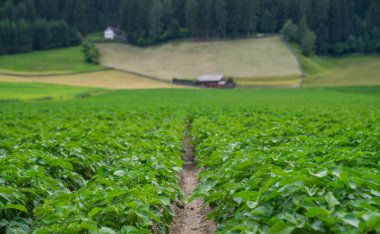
[{"x": 272, "y": 161}]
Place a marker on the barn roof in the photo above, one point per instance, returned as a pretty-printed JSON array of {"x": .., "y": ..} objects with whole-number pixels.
[{"x": 210, "y": 78}]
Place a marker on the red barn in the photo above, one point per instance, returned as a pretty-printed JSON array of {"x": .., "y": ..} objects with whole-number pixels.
[{"x": 214, "y": 81}]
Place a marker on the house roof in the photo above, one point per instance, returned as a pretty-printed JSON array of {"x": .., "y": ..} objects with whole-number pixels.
[{"x": 210, "y": 78}]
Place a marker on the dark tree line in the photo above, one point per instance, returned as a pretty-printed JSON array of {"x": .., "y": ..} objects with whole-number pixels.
[
  {"x": 324, "y": 26},
  {"x": 22, "y": 36}
]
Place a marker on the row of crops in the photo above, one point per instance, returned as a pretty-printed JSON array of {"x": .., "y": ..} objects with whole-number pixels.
[
  {"x": 274, "y": 171},
  {"x": 111, "y": 164},
  {"x": 76, "y": 171}
]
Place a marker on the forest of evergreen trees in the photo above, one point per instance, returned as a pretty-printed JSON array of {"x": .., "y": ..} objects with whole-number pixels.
[{"x": 324, "y": 26}]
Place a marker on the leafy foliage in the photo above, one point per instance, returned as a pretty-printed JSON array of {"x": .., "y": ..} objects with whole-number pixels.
[
  {"x": 275, "y": 161},
  {"x": 80, "y": 171},
  {"x": 91, "y": 52},
  {"x": 308, "y": 171}
]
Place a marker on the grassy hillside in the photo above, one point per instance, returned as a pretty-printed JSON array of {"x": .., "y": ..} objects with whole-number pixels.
[
  {"x": 57, "y": 60},
  {"x": 27, "y": 91},
  {"x": 102, "y": 79},
  {"x": 351, "y": 70},
  {"x": 265, "y": 62},
  {"x": 244, "y": 59}
]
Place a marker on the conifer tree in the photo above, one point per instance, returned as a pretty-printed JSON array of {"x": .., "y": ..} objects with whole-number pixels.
[
  {"x": 191, "y": 15},
  {"x": 155, "y": 20},
  {"x": 25, "y": 36},
  {"x": 308, "y": 43},
  {"x": 219, "y": 17},
  {"x": 303, "y": 28},
  {"x": 79, "y": 16},
  {"x": 42, "y": 35},
  {"x": 7, "y": 36}
]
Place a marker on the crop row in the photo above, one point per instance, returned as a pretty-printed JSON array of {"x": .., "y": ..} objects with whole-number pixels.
[
  {"x": 282, "y": 171},
  {"x": 78, "y": 171}
]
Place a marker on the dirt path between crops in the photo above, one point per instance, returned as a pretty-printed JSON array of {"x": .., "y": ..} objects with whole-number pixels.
[{"x": 191, "y": 218}]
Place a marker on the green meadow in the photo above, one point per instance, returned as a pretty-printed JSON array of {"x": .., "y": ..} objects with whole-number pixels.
[
  {"x": 29, "y": 91},
  {"x": 348, "y": 70},
  {"x": 64, "y": 60}
]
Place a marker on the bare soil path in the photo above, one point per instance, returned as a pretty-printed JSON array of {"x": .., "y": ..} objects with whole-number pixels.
[{"x": 192, "y": 218}]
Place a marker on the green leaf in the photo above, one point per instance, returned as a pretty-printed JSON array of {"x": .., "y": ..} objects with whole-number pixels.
[
  {"x": 245, "y": 196},
  {"x": 206, "y": 186},
  {"x": 288, "y": 189},
  {"x": 15, "y": 207},
  {"x": 280, "y": 227},
  {"x": 375, "y": 192},
  {"x": 94, "y": 211},
  {"x": 165, "y": 201},
  {"x": 262, "y": 211},
  {"x": 372, "y": 220},
  {"x": 12, "y": 230},
  {"x": 168, "y": 215},
  {"x": 331, "y": 200},
  {"x": 318, "y": 226},
  {"x": 316, "y": 211},
  {"x": 89, "y": 225},
  {"x": 319, "y": 174},
  {"x": 351, "y": 220},
  {"x": 252, "y": 204},
  {"x": 119, "y": 173},
  {"x": 106, "y": 230},
  {"x": 311, "y": 191},
  {"x": 65, "y": 164}
]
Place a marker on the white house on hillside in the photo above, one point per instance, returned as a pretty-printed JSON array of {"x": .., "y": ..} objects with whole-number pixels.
[{"x": 109, "y": 33}]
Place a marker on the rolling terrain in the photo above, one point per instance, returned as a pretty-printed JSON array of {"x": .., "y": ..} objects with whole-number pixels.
[
  {"x": 102, "y": 79},
  {"x": 66, "y": 67},
  {"x": 247, "y": 60},
  {"x": 351, "y": 70},
  {"x": 265, "y": 62}
]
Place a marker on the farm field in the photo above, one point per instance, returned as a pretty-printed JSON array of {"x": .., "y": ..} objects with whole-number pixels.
[
  {"x": 109, "y": 79},
  {"x": 28, "y": 91},
  {"x": 304, "y": 171},
  {"x": 60, "y": 66},
  {"x": 65, "y": 67},
  {"x": 273, "y": 161},
  {"x": 243, "y": 59}
]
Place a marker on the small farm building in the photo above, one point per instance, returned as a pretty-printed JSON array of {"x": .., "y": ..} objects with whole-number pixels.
[
  {"x": 215, "y": 78},
  {"x": 109, "y": 33},
  {"x": 208, "y": 81},
  {"x": 214, "y": 81}
]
